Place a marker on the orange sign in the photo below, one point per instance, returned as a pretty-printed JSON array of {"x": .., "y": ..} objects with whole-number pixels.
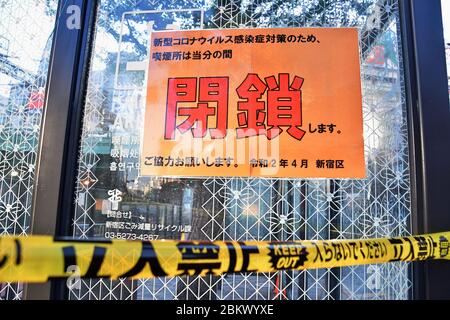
[{"x": 254, "y": 103}]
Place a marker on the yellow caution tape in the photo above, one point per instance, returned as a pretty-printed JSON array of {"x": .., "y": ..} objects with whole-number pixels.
[{"x": 40, "y": 258}]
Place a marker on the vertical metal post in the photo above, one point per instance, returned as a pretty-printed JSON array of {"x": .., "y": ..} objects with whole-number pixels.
[
  {"x": 60, "y": 124},
  {"x": 429, "y": 126}
]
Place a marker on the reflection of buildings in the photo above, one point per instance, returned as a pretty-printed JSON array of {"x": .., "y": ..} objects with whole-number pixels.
[
  {"x": 20, "y": 119},
  {"x": 3, "y": 103},
  {"x": 25, "y": 44}
]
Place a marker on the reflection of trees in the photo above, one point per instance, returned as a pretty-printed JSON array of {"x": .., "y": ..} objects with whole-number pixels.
[
  {"x": 243, "y": 13},
  {"x": 24, "y": 75},
  {"x": 131, "y": 34}
]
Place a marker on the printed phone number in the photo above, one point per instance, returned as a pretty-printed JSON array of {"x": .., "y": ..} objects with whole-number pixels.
[{"x": 130, "y": 236}]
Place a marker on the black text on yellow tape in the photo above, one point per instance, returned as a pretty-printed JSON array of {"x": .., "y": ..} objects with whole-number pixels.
[{"x": 38, "y": 258}]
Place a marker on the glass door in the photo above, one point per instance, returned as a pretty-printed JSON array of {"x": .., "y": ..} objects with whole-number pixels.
[{"x": 114, "y": 201}]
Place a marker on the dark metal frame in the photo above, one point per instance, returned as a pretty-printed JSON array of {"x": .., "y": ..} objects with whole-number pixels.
[
  {"x": 428, "y": 118},
  {"x": 429, "y": 131},
  {"x": 58, "y": 147}
]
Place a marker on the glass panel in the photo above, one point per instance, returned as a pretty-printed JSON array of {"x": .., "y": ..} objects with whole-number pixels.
[
  {"x": 114, "y": 201},
  {"x": 25, "y": 44}
]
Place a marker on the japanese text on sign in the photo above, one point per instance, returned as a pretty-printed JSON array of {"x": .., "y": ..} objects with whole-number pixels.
[
  {"x": 36, "y": 258},
  {"x": 254, "y": 102}
]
